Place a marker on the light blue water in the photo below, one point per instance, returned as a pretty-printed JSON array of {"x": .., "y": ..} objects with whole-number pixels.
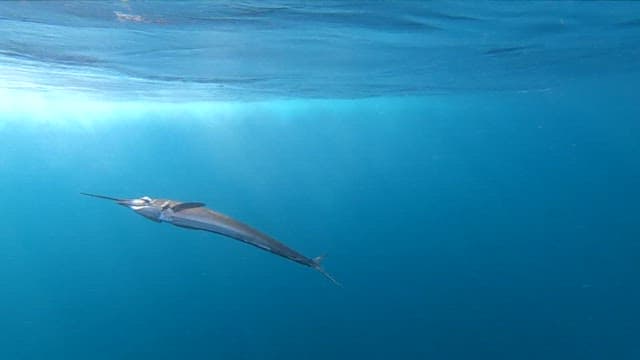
[{"x": 471, "y": 170}]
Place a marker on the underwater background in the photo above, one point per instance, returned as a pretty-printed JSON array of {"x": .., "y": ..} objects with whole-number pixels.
[{"x": 470, "y": 168}]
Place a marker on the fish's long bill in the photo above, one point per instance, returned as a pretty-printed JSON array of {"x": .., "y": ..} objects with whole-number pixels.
[{"x": 103, "y": 197}]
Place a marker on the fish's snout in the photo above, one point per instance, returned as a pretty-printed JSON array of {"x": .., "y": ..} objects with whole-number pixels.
[{"x": 132, "y": 202}]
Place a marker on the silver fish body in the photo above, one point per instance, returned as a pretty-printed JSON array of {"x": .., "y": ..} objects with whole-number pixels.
[
  {"x": 202, "y": 218},
  {"x": 193, "y": 215}
]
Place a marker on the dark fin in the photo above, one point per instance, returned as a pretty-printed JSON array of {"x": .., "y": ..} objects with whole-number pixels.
[
  {"x": 102, "y": 197},
  {"x": 187, "y": 205},
  {"x": 317, "y": 264}
]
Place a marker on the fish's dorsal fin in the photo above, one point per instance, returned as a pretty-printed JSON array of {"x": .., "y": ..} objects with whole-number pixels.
[{"x": 186, "y": 205}]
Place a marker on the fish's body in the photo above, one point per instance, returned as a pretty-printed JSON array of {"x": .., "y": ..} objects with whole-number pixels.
[{"x": 194, "y": 215}]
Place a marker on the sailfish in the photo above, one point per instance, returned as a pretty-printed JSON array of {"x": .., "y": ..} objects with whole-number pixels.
[{"x": 194, "y": 215}]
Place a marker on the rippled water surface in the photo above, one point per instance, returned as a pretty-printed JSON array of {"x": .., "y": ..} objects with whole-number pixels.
[{"x": 329, "y": 49}]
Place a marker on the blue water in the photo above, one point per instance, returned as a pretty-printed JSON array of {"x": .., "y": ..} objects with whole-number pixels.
[{"x": 471, "y": 170}]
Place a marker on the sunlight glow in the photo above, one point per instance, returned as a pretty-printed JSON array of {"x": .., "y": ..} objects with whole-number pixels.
[{"x": 73, "y": 109}]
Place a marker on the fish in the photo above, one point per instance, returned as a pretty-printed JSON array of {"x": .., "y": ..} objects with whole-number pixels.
[{"x": 196, "y": 216}]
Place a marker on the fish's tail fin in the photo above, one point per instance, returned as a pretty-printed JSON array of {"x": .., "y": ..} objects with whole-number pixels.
[{"x": 317, "y": 264}]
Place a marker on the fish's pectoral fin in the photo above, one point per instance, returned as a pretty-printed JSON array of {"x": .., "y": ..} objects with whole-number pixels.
[{"x": 187, "y": 205}]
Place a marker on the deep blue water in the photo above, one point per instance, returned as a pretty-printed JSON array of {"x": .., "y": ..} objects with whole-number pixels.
[{"x": 471, "y": 169}]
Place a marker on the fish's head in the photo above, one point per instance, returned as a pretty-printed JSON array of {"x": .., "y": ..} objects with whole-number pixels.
[{"x": 144, "y": 206}]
